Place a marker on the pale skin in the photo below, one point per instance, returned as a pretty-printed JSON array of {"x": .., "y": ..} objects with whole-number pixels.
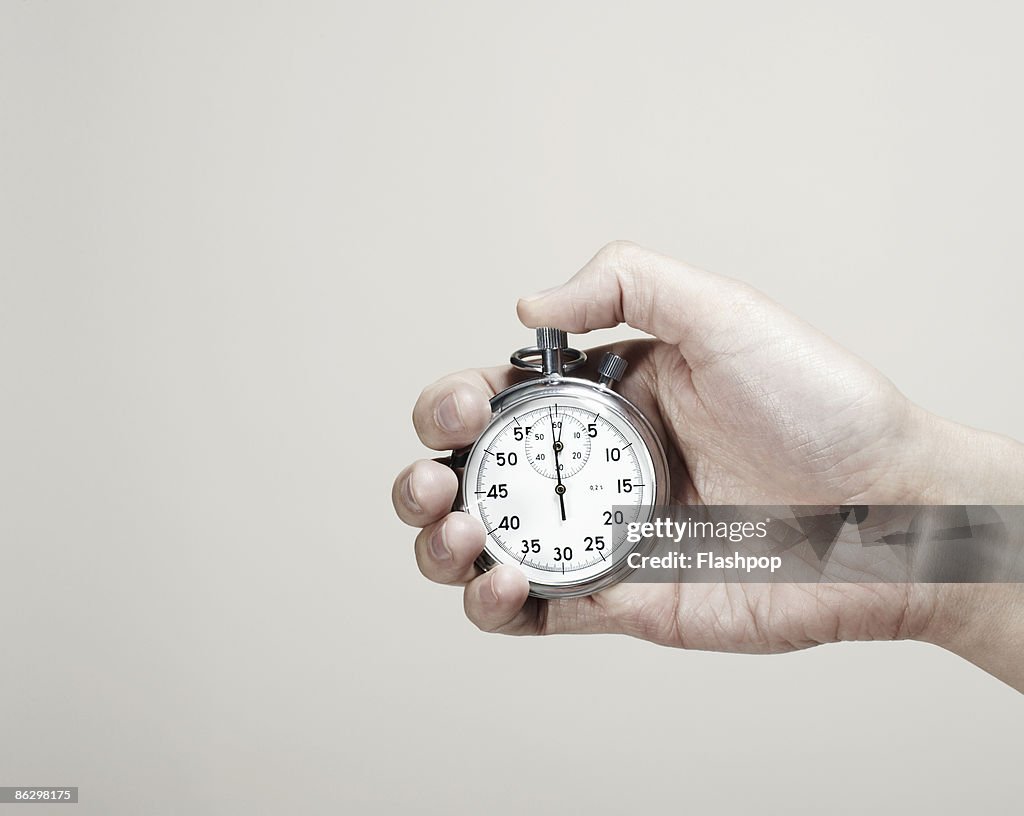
[{"x": 755, "y": 406}]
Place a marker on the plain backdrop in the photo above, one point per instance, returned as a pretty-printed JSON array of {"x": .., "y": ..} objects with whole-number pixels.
[{"x": 238, "y": 238}]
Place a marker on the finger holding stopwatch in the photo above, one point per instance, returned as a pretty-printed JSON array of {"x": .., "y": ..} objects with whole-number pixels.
[
  {"x": 446, "y": 550},
  {"x": 498, "y": 601},
  {"x": 423, "y": 492},
  {"x": 452, "y": 412}
]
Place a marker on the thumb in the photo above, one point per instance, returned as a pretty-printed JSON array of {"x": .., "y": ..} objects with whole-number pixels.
[{"x": 625, "y": 283}]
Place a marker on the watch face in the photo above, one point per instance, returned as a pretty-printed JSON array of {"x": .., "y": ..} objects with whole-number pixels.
[{"x": 555, "y": 479}]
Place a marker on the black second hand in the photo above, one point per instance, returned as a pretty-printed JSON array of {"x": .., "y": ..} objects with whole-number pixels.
[{"x": 556, "y": 446}]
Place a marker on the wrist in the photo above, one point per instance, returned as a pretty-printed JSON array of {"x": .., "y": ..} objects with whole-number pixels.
[
  {"x": 982, "y": 623},
  {"x": 949, "y": 463}
]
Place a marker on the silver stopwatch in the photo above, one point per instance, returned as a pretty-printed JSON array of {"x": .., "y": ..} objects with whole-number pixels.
[{"x": 561, "y": 471}]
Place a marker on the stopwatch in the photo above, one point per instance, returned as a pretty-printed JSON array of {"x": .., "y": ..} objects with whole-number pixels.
[{"x": 563, "y": 469}]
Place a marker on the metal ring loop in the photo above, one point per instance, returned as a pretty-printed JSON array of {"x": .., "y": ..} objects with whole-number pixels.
[{"x": 528, "y": 359}]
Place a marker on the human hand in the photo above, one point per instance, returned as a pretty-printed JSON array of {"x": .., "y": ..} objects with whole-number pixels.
[{"x": 755, "y": 407}]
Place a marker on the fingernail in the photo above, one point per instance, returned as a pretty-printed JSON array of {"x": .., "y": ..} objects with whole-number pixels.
[
  {"x": 540, "y": 294},
  {"x": 489, "y": 592},
  {"x": 408, "y": 497},
  {"x": 449, "y": 416},
  {"x": 439, "y": 545}
]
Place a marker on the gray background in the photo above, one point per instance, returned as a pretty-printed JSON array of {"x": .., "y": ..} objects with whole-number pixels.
[{"x": 236, "y": 239}]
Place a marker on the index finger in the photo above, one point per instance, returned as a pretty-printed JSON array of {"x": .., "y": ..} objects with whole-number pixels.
[{"x": 452, "y": 412}]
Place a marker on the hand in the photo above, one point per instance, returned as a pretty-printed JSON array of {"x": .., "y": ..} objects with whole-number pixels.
[{"x": 755, "y": 407}]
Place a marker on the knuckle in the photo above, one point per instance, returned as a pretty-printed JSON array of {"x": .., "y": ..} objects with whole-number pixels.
[
  {"x": 746, "y": 303},
  {"x": 623, "y": 258},
  {"x": 617, "y": 250}
]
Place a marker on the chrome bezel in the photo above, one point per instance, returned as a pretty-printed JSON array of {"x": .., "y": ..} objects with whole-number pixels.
[{"x": 608, "y": 400}]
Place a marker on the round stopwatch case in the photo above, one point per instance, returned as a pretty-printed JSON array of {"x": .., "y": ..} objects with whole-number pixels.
[{"x": 562, "y": 469}]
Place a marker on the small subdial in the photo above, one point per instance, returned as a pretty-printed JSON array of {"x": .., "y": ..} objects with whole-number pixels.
[{"x": 557, "y": 440}]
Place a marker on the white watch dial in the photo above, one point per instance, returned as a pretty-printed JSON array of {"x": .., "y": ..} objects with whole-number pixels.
[{"x": 554, "y": 480}]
